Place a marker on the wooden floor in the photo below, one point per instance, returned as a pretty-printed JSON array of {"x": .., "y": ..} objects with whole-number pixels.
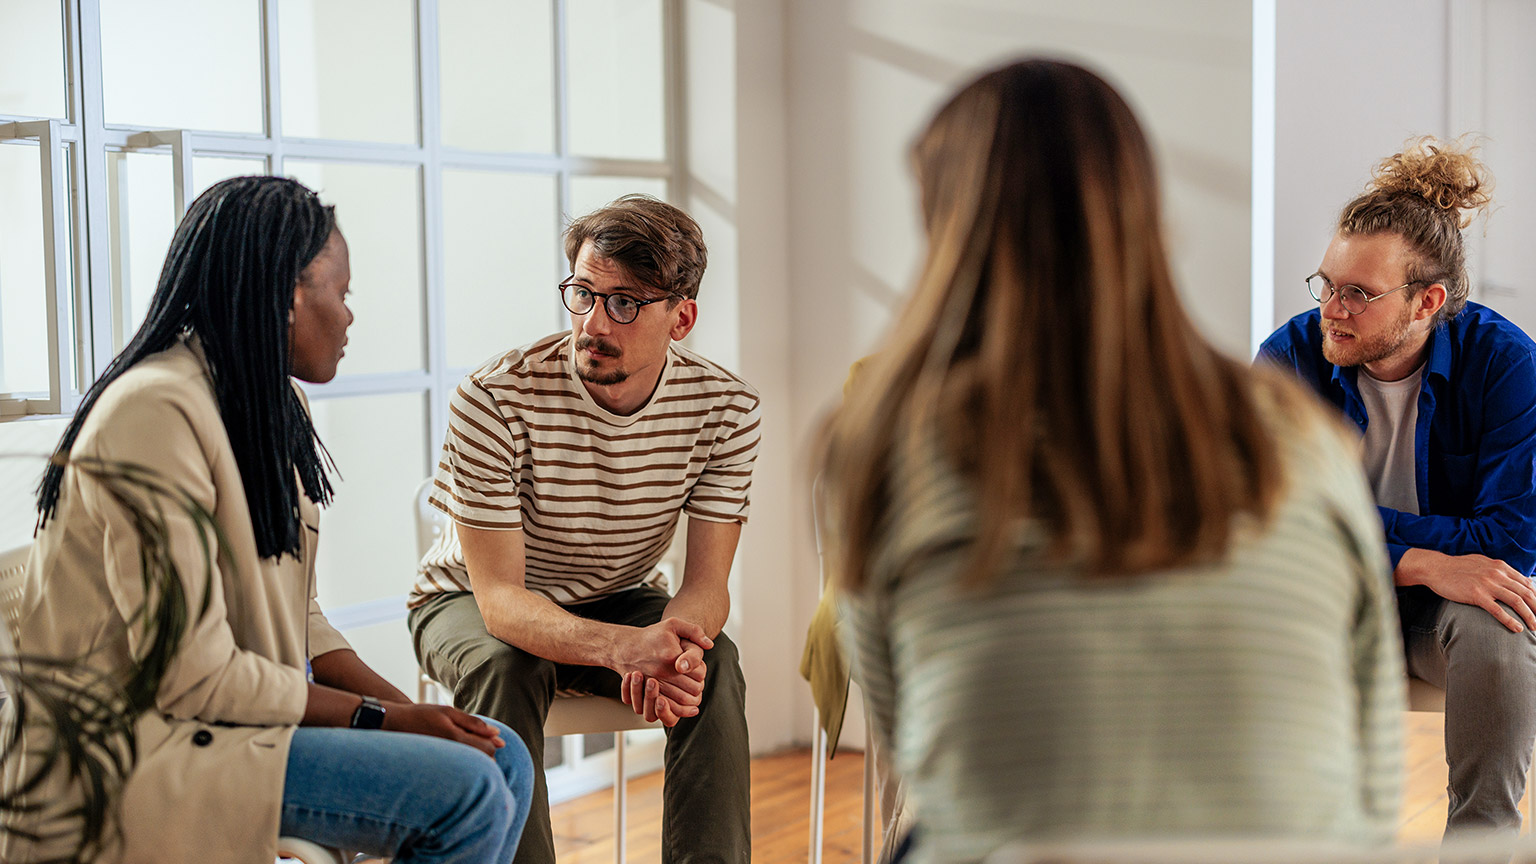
[{"x": 781, "y": 807}]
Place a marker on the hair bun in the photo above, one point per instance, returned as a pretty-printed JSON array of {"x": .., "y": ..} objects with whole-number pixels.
[{"x": 1446, "y": 174}]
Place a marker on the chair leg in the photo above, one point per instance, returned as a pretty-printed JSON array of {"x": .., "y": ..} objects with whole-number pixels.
[
  {"x": 871, "y": 817},
  {"x": 818, "y": 786},
  {"x": 618, "y": 797},
  {"x": 427, "y": 691}
]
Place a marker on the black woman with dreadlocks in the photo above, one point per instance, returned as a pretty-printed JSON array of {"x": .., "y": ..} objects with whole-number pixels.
[{"x": 261, "y": 720}]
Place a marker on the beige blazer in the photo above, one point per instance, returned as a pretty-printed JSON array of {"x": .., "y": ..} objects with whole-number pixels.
[{"x": 208, "y": 782}]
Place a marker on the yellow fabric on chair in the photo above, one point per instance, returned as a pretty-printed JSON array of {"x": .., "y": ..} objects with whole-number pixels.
[
  {"x": 823, "y": 663},
  {"x": 825, "y": 666}
]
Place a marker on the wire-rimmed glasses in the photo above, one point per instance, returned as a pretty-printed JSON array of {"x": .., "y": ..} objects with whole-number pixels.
[
  {"x": 1353, "y": 297},
  {"x": 621, "y": 308}
]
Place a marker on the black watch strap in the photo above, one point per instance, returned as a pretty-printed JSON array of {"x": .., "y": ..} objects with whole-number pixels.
[{"x": 369, "y": 715}]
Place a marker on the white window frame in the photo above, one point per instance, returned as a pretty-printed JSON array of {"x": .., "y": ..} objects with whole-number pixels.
[
  {"x": 80, "y": 184},
  {"x": 84, "y": 178}
]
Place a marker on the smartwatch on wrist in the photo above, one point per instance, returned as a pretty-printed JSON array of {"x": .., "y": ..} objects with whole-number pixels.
[{"x": 369, "y": 715}]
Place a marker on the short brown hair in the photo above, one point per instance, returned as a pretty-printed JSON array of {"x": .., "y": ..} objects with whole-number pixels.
[
  {"x": 652, "y": 241},
  {"x": 1426, "y": 195}
]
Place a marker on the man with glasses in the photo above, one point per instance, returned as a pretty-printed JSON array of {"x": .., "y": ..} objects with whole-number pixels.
[
  {"x": 565, "y": 469},
  {"x": 1444, "y": 392}
]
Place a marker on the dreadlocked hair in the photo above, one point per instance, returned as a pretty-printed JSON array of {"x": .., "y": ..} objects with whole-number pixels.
[{"x": 229, "y": 280}]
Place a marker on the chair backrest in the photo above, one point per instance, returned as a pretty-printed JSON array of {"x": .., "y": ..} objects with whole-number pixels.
[
  {"x": 430, "y": 521},
  {"x": 13, "y": 566},
  {"x": 1424, "y": 696}
]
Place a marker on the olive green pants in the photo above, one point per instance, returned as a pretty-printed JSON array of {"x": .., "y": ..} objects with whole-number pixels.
[{"x": 706, "y": 813}]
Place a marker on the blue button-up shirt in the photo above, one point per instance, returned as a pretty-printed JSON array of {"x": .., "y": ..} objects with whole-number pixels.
[{"x": 1475, "y": 443}]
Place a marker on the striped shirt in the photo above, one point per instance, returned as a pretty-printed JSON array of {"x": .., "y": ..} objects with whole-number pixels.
[
  {"x": 1257, "y": 695},
  {"x": 596, "y": 495}
]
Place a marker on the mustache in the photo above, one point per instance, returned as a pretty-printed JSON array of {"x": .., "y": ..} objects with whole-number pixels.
[{"x": 603, "y": 345}]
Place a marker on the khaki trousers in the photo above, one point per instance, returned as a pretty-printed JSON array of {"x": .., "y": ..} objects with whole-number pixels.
[{"x": 706, "y": 814}]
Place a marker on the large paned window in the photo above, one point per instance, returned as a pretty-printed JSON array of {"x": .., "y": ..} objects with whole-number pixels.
[{"x": 455, "y": 138}]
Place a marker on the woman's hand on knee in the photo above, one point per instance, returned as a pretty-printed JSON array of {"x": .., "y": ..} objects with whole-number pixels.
[{"x": 442, "y": 721}]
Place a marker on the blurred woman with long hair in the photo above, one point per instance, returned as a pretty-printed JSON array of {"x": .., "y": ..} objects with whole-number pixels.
[
  {"x": 1104, "y": 580},
  {"x": 247, "y": 713}
]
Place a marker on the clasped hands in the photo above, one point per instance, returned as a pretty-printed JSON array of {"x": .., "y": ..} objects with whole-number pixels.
[{"x": 663, "y": 671}]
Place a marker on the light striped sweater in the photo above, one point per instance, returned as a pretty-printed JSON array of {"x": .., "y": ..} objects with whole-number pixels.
[{"x": 1261, "y": 695}]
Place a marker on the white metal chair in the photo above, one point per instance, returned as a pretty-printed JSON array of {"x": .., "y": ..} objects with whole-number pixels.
[
  {"x": 572, "y": 713},
  {"x": 819, "y": 754},
  {"x": 13, "y": 565}
]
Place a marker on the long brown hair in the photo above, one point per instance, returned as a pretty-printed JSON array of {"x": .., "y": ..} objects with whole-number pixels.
[{"x": 1046, "y": 346}]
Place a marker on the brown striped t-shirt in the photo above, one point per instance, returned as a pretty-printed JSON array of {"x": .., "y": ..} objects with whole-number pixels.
[{"x": 596, "y": 495}]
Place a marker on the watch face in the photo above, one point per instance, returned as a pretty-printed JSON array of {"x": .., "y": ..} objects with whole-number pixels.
[{"x": 369, "y": 715}]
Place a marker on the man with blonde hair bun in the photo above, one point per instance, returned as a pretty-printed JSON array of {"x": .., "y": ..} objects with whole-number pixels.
[{"x": 1444, "y": 391}]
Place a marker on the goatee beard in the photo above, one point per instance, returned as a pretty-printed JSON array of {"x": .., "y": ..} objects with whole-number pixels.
[
  {"x": 602, "y": 379},
  {"x": 589, "y": 373}
]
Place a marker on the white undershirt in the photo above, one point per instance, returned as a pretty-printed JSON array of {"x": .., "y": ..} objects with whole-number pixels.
[{"x": 1392, "y": 408}]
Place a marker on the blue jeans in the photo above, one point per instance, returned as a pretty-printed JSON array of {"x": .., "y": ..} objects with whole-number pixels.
[{"x": 413, "y": 798}]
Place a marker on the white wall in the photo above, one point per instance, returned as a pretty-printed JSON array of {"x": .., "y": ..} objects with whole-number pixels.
[
  {"x": 734, "y": 111},
  {"x": 1354, "y": 81},
  {"x": 1357, "y": 79},
  {"x": 865, "y": 75},
  {"x": 1500, "y": 41}
]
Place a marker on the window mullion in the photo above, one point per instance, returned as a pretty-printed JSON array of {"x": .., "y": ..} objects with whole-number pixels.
[
  {"x": 55, "y": 261},
  {"x": 675, "y": 106},
  {"x": 93, "y": 282},
  {"x": 434, "y": 279},
  {"x": 271, "y": 84},
  {"x": 180, "y": 142},
  {"x": 562, "y": 139},
  {"x": 121, "y": 248}
]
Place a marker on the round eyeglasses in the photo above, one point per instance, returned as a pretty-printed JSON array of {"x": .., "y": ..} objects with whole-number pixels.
[
  {"x": 1352, "y": 297},
  {"x": 621, "y": 308}
]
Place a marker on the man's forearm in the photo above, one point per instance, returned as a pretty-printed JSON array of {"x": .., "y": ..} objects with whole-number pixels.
[
  {"x": 708, "y": 609},
  {"x": 537, "y": 625}
]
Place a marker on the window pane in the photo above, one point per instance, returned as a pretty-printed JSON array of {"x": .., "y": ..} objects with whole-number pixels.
[
  {"x": 183, "y": 64},
  {"x": 590, "y": 193},
  {"x": 349, "y": 69},
  {"x": 368, "y": 536},
  {"x": 208, "y": 170},
  {"x": 379, "y": 210},
  {"x": 498, "y": 74},
  {"x": 23, "y": 294},
  {"x": 141, "y": 219},
  {"x": 32, "y": 59},
  {"x": 614, "y": 66},
  {"x": 500, "y": 263}
]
